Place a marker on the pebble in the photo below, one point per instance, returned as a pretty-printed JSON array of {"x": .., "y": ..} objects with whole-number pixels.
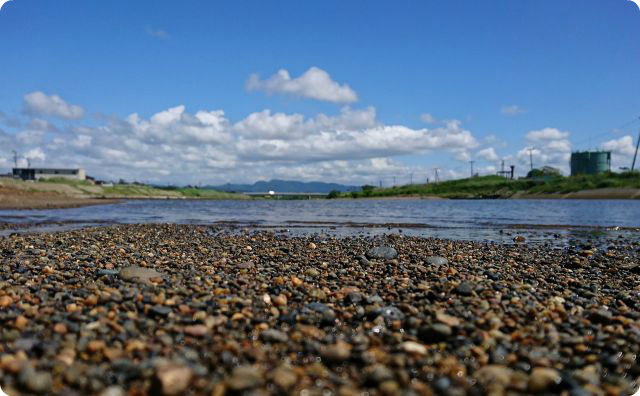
[
  {"x": 284, "y": 377},
  {"x": 272, "y": 335},
  {"x": 245, "y": 377},
  {"x": 543, "y": 379},
  {"x": 38, "y": 382},
  {"x": 320, "y": 320},
  {"x": 382, "y": 252},
  {"x": 138, "y": 274},
  {"x": 464, "y": 289},
  {"x": 436, "y": 260},
  {"x": 336, "y": 353},
  {"x": 174, "y": 379}
]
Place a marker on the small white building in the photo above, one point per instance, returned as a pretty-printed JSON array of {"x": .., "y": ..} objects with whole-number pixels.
[{"x": 49, "y": 173}]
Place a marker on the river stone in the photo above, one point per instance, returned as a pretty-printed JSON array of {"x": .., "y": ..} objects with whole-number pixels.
[
  {"x": 113, "y": 391},
  {"x": 174, "y": 379},
  {"x": 464, "y": 289},
  {"x": 543, "y": 379},
  {"x": 382, "y": 252},
  {"x": 435, "y": 333},
  {"x": 272, "y": 335},
  {"x": 284, "y": 377},
  {"x": 437, "y": 260},
  {"x": 245, "y": 377},
  {"x": 390, "y": 313},
  {"x": 494, "y": 377},
  {"x": 138, "y": 274},
  {"x": 38, "y": 382}
]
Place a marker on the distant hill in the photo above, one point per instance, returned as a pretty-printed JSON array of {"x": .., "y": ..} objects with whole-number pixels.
[{"x": 285, "y": 186}]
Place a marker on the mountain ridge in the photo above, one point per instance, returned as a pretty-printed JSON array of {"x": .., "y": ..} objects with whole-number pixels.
[{"x": 283, "y": 186}]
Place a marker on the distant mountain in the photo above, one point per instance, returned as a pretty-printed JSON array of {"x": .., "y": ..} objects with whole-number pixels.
[{"x": 285, "y": 186}]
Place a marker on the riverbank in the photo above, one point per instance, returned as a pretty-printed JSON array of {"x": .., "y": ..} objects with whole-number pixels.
[
  {"x": 18, "y": 194},
  {"x": 601, "y": 186},
  {"x": 176, "y": 309},
  {"x": 17, "y": 199}
]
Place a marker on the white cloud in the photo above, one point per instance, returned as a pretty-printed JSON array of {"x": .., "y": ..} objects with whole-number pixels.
[
  {"x": 178, "y": 146},
  {"x": 488, "y": 154},
  {"x": 265, "y": 125},
  {"x": 512, "y": 110},
  {"x": 623, "y": 146},
  {"x": 158, "y": 33},
  {"x": 52, "y": 105},
  {"x": 548, "y": 146},
  {"x": 315, "y": 83},
  {"x": 427, "y": 118},
  {"x": 175, "y": 125},
  {"x": 546, "y": 134}
]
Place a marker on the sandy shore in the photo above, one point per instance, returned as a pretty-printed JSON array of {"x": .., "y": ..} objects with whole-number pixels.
[{"x": 177, "y": 309}]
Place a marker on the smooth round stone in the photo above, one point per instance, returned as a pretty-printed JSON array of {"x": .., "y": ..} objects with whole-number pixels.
[
  {"x": 38, "y": 382},
  {"x": 464, "y": 289},
  {"x": 390, "y": 313},
  {"x": 382, "y": 252},
  {"x": 336, "y": 353},
  {"x": 272, "y": 335},
  {"x": 543, "y": 379},
  {"x": 245, "y": 377},
  {"x": 160, "y": 310},
  {"x": 435, "y": 333},
  {"x": 437, "y": 260},
  {"x": 138, "y": 274}
]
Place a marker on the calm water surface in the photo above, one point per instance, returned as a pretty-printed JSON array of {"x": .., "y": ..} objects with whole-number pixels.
[{"x": 495, "y": 220}]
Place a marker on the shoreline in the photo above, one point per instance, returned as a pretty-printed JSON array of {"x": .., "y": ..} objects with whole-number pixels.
[{"x": 163, "y": 308}]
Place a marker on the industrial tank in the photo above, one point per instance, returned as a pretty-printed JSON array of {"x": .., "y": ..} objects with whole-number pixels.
[{"x": 590, "y": 162}]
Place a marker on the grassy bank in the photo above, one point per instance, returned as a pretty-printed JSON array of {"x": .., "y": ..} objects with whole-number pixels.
[
  {"x": 499, "y": 187},
  {"x": 84, "y": 189}
]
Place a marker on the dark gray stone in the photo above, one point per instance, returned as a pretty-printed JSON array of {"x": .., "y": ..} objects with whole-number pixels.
[{"x": 382, "y": 252}]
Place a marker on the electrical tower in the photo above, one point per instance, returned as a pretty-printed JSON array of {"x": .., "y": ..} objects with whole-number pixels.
[
  {"x": 531, "y": 156},
  {"x": 633, "y": 164}
]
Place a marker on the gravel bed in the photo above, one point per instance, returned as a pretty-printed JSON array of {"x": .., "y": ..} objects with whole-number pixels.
[{"x": 180, "y": 310}]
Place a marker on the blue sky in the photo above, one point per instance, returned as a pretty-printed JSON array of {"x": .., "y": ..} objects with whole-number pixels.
[{"x": 495, "y": 77}]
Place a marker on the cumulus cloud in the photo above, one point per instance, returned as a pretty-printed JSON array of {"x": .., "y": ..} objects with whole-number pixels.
[
  {"x": 623, "y": 146},
  {"x": 512, "y": 110},
  {"x": 546, "y": 134},
  {"x": 428, "y": 118},
  {"x": 178, "y": 146},
  {"x": 488, "y": 154},
  {"x": 39, "y": 103},
  {"x": 315, "y": 83},
  {"x": 548, "y": 146},
  {"x": 158, "y": 33}
]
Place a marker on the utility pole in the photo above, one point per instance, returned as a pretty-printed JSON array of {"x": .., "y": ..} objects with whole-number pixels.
[
  {"x": 411, "y": 177},
  {"x": 380, "y": 183},
  {"x": 28, "y": 162},
  {"x": 531, "y": 157},
  {"x": 437, "y": 177},
  {"x": 633, "y": 165},
  {"x": 15, "y": 158},
  {"x": 471, "y": 162}
]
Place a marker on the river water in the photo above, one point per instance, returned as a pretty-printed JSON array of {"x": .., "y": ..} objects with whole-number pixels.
[{"x": 480, "y": 220}]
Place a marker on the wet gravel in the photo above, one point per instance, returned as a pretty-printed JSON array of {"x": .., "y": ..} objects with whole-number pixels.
[{"x": 180, "y": 310}]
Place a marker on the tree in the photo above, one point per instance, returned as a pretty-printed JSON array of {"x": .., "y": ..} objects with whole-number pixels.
[{"x": 333, "y": 194}]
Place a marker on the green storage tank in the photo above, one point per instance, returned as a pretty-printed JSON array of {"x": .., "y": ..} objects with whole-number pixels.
[{"x": 590, "y": 162}]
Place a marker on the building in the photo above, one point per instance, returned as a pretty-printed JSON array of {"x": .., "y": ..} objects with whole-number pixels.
[
  {"x": 49, "y": 173},
  {"x": 590, "y": 162}
]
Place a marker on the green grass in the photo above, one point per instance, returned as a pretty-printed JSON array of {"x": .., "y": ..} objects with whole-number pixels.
[
  {"x": 69, "y": 182},
  {"x": 203, "y": 193},
  {"x": 499, "y": 187},
  {"x": 134, "y": 190}
]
